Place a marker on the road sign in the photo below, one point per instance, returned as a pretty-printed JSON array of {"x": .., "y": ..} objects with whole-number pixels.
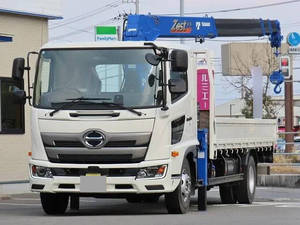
[
  {"x": 106, "y": 33},
  {"x": 293, "y": 39},
  {"x": 294, "y": 51}
]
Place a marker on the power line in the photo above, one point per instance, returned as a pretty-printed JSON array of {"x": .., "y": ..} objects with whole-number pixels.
[
  {"x": 88, "y": 14},
  {"x": 81, "y": 30},
  {"x": 76, "y": 17},
  {"x": 237, "y": 9}
]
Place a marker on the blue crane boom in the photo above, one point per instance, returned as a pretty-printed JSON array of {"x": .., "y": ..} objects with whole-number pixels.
[{"x": 151, "y": 27}]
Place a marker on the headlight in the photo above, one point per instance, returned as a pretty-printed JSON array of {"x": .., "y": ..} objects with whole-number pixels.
[
  {"x": 40, "y": 171},
  {"x": 152, "y": 172}
]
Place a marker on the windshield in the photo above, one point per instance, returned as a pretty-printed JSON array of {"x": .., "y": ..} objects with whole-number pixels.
[{"x": 117, "y": 75}]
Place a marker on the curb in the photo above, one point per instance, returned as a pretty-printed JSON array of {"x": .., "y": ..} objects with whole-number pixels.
[
  {"x": 279, "y": 180},
  {"x": 5, "y": 197},
  {"x": 13, "y": 187},
  {"x": 15, "y": 182}
]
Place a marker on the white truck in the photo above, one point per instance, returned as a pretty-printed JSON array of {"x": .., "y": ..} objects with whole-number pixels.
[{"x": 127, "y": 120}]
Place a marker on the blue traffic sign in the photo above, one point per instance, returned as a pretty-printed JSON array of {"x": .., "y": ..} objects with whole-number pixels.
[{"x": 293, "y": 39}]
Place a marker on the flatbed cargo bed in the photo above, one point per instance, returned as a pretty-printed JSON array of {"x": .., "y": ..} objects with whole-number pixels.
[{"x": 233, "y": 133}]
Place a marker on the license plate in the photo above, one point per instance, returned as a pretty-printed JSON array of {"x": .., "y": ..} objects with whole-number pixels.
[
  {"x": 93, "y": 174},
  {"x": 92, "y": 183}
]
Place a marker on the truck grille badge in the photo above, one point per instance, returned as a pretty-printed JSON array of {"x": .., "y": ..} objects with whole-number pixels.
[{"x": 93, "y": 139}]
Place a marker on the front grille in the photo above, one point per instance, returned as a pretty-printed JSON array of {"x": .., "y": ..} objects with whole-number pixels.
[
  {"x": 95, "y": 159},
  {"x": 78, "y": 144},
  {"x": 117, "y": 148},
  {"x": 67, "y": 186},
  {"x": 123, "y": 186},
  {"x": 121, "y": 144},
  {"x": 76, "y": 172},
  {"x": 68, "y": 144}
]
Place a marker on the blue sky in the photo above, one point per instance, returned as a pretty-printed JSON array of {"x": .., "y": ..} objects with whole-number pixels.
[{"x": 82, "y": 30}]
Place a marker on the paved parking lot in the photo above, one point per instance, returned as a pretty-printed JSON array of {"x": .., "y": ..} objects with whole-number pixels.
[{"x": 271, "y": 206}]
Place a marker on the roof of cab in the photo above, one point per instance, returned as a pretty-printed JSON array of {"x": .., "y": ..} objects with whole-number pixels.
[{"x": 112, "y": 44}]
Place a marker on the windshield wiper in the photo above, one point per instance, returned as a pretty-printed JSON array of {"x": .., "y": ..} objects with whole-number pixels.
[
  {"x": 122, "y": 107},
  {"x": 73, "y": 102}
]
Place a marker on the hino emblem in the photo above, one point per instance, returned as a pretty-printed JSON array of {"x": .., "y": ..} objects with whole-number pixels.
[{"x": 93, "y": 139}]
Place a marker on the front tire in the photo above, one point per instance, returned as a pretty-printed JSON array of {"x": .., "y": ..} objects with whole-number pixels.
[
  {"x": 178, "y": 202},
  {"x": 54, "y": 204},
  {"x": 246, "y": 188}
]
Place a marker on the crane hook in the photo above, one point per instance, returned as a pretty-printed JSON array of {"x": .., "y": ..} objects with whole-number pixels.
[
  {"x": 277, "y": 89},
  {"x": 277, "y": 79}
]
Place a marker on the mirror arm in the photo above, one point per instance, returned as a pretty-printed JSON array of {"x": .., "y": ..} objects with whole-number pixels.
[
  {"x": 155, "y": 47},
  {"x": 164, "y": 87},
  {"x": 28, "y": 76}
]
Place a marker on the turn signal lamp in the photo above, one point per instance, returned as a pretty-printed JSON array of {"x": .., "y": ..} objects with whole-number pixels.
[
  {"x": 161, "y": 170},
  {"x": 175, "y": 154},
  {"x": 152, "y": 172}
]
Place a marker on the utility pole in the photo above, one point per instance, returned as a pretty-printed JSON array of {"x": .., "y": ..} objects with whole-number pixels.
[
  {"x": 289, "y": 115},
  {"x": 181, "y": 14},
  {"x": 286, "y": 67},
  {"x": 137, "y": 5}
]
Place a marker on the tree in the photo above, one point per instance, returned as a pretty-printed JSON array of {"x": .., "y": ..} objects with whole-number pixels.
[{"x": 243, "y": 83}]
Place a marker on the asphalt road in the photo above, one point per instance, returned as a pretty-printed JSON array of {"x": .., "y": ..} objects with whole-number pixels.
[{"x": 271, "y": 206}]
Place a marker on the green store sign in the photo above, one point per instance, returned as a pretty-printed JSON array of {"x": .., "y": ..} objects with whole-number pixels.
[{"x": 106, "y": 33}]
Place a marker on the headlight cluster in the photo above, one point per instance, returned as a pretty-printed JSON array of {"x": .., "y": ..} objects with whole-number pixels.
[
  {"x": 40, "y": 171},
  {"x": 152, "y": 172}
]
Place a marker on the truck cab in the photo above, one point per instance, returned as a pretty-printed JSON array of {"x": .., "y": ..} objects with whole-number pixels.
[{"x": 107, "y": 122}]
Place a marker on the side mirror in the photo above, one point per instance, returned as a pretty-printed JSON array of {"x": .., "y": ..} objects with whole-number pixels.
[
  {"x": 151, "y": 80},
  {"x": 18, "y": 68},
  {"x": 20, "y": 95},
  {"x": 152, "y": 59},
  {"x": 177, "y": 86},
  {"x": 179, "y": 61}
]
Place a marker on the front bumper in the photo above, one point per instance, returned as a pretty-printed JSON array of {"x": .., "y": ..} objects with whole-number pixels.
[{"x": 114, "y": 185}]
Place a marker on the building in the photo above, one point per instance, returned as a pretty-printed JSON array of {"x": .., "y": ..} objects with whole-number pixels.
[{"x": 23, "y": 28}]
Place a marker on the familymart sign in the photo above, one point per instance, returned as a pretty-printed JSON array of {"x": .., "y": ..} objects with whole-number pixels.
[{"x": 106, "y": 33}]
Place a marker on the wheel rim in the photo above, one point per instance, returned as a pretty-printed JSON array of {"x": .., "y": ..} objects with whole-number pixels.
[
  {"x": 185, "y": 186},
  {"x": 251, "y": 180}
]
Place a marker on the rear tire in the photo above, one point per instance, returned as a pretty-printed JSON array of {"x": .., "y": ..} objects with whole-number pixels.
[
  {"x": 227, "y": 194},
  {"x": 246, "y": 188},
  {"x": 54, "y": 204},
  {"x": 178, "y": 202}
]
